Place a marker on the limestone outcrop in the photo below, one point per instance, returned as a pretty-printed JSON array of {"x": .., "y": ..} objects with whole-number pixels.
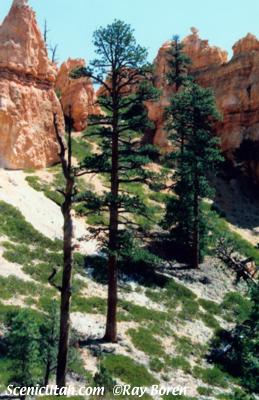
[
  {"x": 27, "y": 96},
  {"x": 77, "y": 94}
]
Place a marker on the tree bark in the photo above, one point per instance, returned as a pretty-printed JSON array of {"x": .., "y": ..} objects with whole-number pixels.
[
  {"x": 63, "y": 347},
  {"x": 111, "y": 320},
  {"x": 47, "y": 373},
  {"x": 196, "y": 227},
  {"x": 65, "y": 290}
]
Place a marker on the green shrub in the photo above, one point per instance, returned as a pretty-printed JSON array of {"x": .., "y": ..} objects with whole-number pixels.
[
  {"x": 55, "y": 196},
  {"x": 24, "y": 350},
  {"x": 132, "y": 312},
  {"x": 89, "y": 305},
  {"x": 103, "y": 378},
  {"x": 17, "y": 229},
  {"x": 237, "y": 395},
  {"x": 6, "y": 368},
  {"x": 185, "y": 347},
  {"x": 210, "y": 321},
  {"x": 178, "y": 292},
  {"x": 159, "y": 197},
  {"x": 143, "y": 340},
  {"x": 128, "y": 370},
  {"x": 241, "y": 360},
  {"x": 205, "y": 391},
  {"x": 212, "y": 376},
  {"x": 180, "y": 362},
  {"x": 155, "y": 364},
  {"x": 80, "y": 148},
  {"x": 40, "y": 272},
  {"x": 236, "y": 307},
  {"x": 190, "y": 309},
  {"x": 210, "y": 306},
  {"x": 12, "y": 286},
  {"x": 34, "y": 182}
]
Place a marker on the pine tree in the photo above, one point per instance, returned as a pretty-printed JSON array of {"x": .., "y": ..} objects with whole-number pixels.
[
  {"x": 178, "y": 75},
  {"x": 178, "y": 63},
  {"x": 122, "y": 71},
  {"x": 242, "y": 344},
  {"x": 23, "y": 343},
  {"x": 193, "y": 111},
  {"x": 49, "y": 335}
]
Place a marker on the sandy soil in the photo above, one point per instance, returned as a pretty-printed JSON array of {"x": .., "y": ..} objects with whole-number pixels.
[
  {"x": 41, "y": 212},
  {"x": 90, "y": 325},
  {"x": 7, "y": 269}
]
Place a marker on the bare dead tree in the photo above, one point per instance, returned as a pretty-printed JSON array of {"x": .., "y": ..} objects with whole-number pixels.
[
  {"x": 53, "y": 52},
  {"x": 65, "y": 289},
  {"x": 51, "y": 49},
  {"x": 243, "y": 268},
  {"x": 45, "y": 33}
]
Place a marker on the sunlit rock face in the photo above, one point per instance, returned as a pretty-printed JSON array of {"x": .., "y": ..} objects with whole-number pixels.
[
  {"x": 76, "y": 95},
  {"x": 27, "y": 97},
  {"x": 236, "y": 87}
]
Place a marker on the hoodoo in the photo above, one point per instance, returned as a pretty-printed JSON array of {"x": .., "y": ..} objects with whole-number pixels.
[
  {"x": 78, "y": 94},
  {"x": 27, "y": 96}
]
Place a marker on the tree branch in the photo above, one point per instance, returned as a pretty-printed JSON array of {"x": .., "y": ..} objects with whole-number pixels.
[{"x": 50, "y": 279}]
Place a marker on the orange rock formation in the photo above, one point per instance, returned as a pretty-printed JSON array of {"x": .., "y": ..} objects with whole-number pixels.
[
  {"x": 77, "y": 93},
  {"x": 27, "y": 97},
  {"x": 236, "y": 87}
]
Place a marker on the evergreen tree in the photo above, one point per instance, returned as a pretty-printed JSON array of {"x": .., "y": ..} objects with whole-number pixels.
[
  {"x": 23, "y": 344},
  {"x": 242, "y": 344},
  {"x": 178, "y": 63},
  {"x": 122, "y": 71},
  {"x": 178, "y": 76},
  {"x": 192, "y": 111},
  {"x": 49, "y": 335}
]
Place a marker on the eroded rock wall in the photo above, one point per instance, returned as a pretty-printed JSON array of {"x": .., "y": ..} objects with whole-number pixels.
[
  {"x": 236, "y": 87},
  {"x": 27, "y": 96}
]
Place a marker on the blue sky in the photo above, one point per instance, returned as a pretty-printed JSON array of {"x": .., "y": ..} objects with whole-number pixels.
[{"x": 72, "y": 22}]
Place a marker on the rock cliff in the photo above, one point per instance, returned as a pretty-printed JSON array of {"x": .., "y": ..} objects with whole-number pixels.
[
  {"x": 236, "y": 87},
  {"x": 27, "y": 96},
  {"x": 78, "y": 94}
]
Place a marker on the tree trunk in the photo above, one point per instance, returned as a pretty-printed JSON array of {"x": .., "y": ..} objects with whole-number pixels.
[
  {"x": 111, "y": 321},
  {"x": 47, "y": 373},
  {"x": 196, "y": 227},
  {"x": 67, "y": 255},
  {"x": 66, "y": 287}
]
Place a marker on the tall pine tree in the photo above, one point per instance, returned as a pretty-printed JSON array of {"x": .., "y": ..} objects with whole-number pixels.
[
  {"x": 178, "y": 76},
  {"x": 123, "y": 73},
  {"x": 178, "y": 63},
  {"x": 192, "y": 111}
]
